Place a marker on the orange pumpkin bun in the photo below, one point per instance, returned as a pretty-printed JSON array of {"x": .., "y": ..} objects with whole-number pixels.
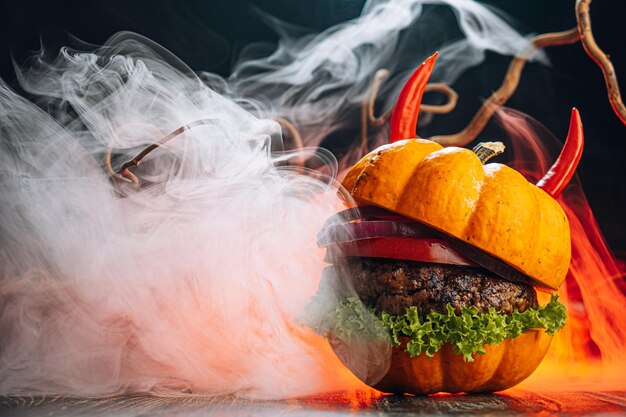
[
  {"x": 501, "y": 367},
  {"x": 492, "y": 206}
]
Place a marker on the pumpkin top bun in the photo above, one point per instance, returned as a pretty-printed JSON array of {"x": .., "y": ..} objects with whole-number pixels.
[{"x": 491, "y": 207}]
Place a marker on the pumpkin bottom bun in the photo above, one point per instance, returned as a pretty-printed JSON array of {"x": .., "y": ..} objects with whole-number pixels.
[{"x": 453, "y": 328}]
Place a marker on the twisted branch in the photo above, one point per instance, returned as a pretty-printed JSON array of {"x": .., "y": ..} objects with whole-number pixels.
[
  {"x": 368, "y": 112},
  {"x": 511, "y": 81},
  {"x": 600, "y": 58},
  {"x": 124, "y": 173},
  {"x": 447, "y": 91},
  {"x": 109, "y": 150},
  {"x": 293, "y": 132},
  {"x": 380, "y": 76},
  {"x": 295, "y": 137},
  {"x": 506, "y": 90},
  {"x": 497, "y": 99}
]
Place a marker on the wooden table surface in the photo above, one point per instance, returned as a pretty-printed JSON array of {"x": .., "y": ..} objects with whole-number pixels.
[{"x": 515, "y": 402}]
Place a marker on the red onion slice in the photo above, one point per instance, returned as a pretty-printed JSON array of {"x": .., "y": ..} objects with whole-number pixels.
[
  {"x": 361, "y": 213},
  {"x": 349, "y": 232},
  {"x": 492, "y": 263}
]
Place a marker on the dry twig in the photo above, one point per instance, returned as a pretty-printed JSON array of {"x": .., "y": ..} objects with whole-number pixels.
[
  {"x": 118, "y": 132},
  {"x": 511, "y": 80},
  {"x": 497, "y": 99},
  {"x": 368, "y": 112},
  {"x": 295, "y": 137},
  {"x": 506, "y": 90},
  {"x": 124, "y": 173},
  {"x": 603, "y": 61},
  {"x": 293, "y": 132},
  {"x": 447, "y": 91}
]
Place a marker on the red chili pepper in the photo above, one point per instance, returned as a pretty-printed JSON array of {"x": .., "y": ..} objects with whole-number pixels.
[
  {"x": 404, "y": 117},
  {"x": 562, "y": 171}
]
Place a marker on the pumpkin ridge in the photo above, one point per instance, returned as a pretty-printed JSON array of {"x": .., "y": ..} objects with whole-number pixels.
[
  {"x": 489, "y": 382},
  {"x": 464, "y": 235},
  {"x": 533, "y": 247},
  {"x": 445, "y": 178},
  {"x": 505, "y": 218},
  {"x": 441, "y": 368},
  {"x": 499, "y": 368}
]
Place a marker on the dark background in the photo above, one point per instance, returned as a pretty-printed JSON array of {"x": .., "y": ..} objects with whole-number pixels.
[{"x": 208, "y": 35}]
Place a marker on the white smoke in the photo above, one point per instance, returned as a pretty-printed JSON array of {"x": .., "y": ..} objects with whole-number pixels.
[
  {"x": 318, "y": 80},
  {"x": 192, "y": 282}
]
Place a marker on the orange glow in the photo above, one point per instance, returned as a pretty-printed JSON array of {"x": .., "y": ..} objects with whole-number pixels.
[
  {"x": 361, "y": 398},
  {"x": 589, "y": 353}
]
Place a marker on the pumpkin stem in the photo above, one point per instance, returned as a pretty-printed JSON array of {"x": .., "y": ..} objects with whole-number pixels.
[{"x": 487, "y": 150}]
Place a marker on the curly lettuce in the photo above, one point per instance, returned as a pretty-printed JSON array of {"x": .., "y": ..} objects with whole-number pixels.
[{"x": 468, "y": 332}]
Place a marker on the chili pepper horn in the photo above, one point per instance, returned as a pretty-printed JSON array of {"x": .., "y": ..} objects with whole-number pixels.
[
  {"x": 562, "y": 171},
  {"x": 404, "y": 116}
]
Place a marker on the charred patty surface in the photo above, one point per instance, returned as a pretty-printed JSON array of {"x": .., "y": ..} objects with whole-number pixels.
[{"x": 391, "y": 285}]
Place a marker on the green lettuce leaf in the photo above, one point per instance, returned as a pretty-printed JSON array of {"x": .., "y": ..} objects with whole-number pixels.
[{"x": 468, "y": 332}]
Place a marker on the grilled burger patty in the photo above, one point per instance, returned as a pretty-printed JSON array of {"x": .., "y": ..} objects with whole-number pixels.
[{"x": 392, "y": 285}]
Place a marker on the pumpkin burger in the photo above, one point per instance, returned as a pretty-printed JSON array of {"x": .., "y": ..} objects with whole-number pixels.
[{"x": 441, "y": 254}]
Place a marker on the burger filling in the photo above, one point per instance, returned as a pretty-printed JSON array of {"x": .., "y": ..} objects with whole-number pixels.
[
  {"x": 393, "y": 286},
  {"x": 426, "y": 305}
]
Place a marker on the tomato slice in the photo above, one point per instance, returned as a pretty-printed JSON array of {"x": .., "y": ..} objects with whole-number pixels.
[{"x": 402, "y": 248}]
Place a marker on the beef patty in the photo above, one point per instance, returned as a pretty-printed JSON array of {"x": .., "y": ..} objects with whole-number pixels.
[{"x": 392, "y": 285}]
